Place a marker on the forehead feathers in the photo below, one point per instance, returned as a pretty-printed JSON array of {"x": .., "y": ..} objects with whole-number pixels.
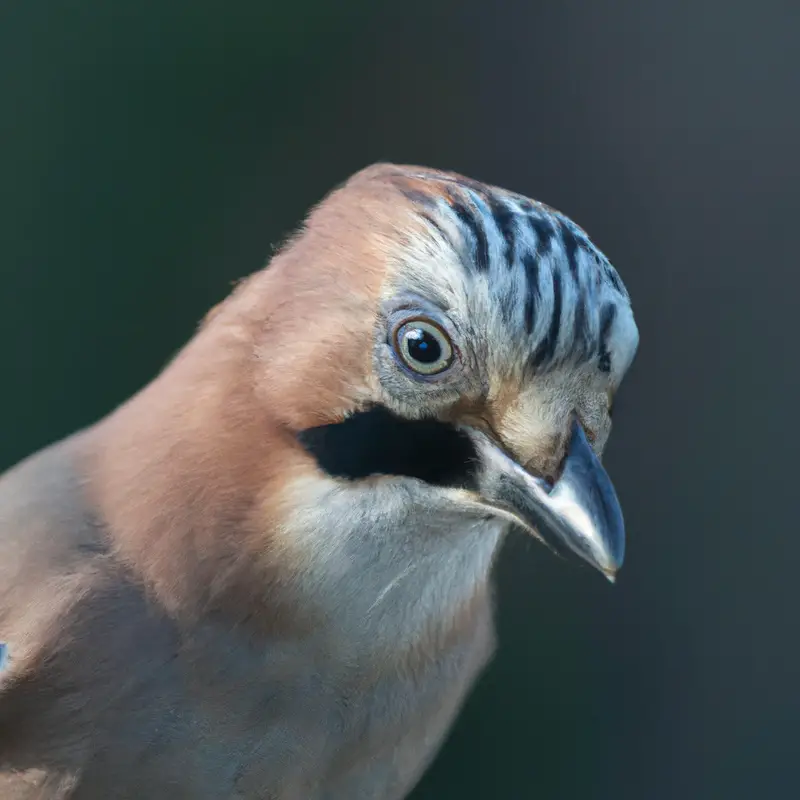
[{"x": 524, "y": 273}]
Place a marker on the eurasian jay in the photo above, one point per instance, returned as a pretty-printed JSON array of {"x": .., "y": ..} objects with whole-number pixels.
[{"x": 268, "y": 574}]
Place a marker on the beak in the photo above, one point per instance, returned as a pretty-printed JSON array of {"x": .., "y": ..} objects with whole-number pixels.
[{"x": 580, "y": 512}]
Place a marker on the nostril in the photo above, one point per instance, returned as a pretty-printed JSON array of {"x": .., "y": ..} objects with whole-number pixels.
[
  {"x": 547, "y": 472},
  {"x": 550, "y": 467}
]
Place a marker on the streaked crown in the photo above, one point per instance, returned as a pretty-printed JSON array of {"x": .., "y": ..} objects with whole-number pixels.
[{"x": 525, "y": 262}]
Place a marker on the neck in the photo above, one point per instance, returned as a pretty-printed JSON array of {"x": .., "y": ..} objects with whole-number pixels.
[
  {"x": 178, "y": 471},
  {"x": 391, "y": 563}
]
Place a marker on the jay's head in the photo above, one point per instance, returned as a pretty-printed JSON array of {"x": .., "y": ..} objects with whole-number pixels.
[
  {"x": 427, "y": 363},
  {"x": 455, "y": 343}
]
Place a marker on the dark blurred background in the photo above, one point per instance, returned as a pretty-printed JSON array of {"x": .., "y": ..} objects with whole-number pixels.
[{"x": 151, "y": 153}]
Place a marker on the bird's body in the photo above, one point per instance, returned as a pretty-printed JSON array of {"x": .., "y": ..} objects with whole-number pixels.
[
  {"x": 267, "y": 575},
  {"x": 198, "y": 709}
]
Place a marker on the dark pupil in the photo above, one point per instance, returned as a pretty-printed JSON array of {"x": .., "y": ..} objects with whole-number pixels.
[{"x": 422, "y": 346}]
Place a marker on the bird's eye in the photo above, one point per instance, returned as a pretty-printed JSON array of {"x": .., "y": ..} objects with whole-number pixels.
[{"x": 423, "y": 347}]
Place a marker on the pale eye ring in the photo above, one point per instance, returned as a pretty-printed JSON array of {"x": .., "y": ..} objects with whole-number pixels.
[{"x": 423, "y": 346}]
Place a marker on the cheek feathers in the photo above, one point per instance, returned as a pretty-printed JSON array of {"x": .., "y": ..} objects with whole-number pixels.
[{"x": 314, "y": 373}]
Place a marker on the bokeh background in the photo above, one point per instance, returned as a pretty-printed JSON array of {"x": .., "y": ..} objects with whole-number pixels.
[{"x": 154, "y": 151}]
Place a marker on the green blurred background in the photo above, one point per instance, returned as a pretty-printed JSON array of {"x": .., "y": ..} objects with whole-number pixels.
[{"x": 151, "y": 153}]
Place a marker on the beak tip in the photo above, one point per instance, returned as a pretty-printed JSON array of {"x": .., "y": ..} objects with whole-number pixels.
[{"x": 610, "y": 564}]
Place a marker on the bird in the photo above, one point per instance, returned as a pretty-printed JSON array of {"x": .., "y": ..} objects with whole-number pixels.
[{"x": 268, "y": 572}]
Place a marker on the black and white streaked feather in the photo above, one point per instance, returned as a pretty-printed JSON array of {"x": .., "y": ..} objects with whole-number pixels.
[{"x": 548, "y": 277}]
